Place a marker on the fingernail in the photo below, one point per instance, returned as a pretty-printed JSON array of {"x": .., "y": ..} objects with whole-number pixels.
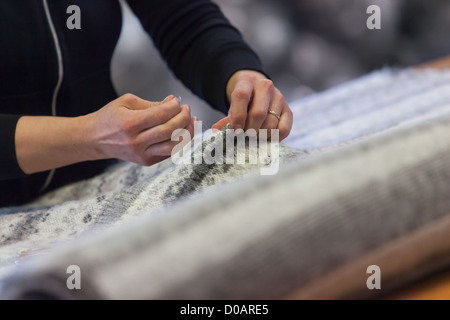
[
  {"x": 238, "y": 131},
  {"x": 168, "y": 98}
]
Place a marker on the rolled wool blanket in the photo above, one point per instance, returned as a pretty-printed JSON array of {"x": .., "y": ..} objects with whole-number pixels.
[{"x": 368, "y": 186}]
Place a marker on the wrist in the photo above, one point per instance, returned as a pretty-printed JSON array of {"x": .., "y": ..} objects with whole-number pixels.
[{"x": 88, "y": 146}]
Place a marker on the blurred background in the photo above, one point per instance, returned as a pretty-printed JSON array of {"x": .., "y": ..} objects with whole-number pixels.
[{"x": 305, "y": 45}]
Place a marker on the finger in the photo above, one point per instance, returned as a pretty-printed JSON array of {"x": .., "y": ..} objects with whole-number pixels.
[
  {"x": 286, "y": 121},
  {"x": 157, "y": 115},
  {"x": 165, "y": 148},
  {"x": 221, "y": 123},
  {"x": 164, "y": 131},
  {"x": 271, "y": 121},
  {"x": 257, "y": 114},
  {"x": 240, "y": 100}
]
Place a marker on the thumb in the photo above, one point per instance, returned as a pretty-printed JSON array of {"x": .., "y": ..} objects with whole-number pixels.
[
  {"x": 158, "y": 103},
  {"x": 133, "y": 102},
  {"x": 154, "y": 103}
]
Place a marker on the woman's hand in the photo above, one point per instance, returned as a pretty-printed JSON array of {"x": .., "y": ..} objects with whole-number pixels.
[
  {"x": 137, "y": 130},
  {"x": 252, "y": 96},
  {"x": 128, "y": 128}
]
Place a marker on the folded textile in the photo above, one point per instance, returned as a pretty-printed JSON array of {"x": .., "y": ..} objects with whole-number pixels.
[
  {"x": 369, "y": 187},
  {"x": 124, "y": 191}
]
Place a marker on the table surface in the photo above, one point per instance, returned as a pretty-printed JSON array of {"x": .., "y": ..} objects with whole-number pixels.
[
  {"x": 442, "y": 63},
  {"x": 435, "y": 287}
]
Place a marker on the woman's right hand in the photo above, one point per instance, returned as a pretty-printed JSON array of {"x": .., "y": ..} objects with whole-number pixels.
[{"x": 132, "y": 129}]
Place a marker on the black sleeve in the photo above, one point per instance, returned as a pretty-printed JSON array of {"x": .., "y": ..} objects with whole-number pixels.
[
  {"x": 199, "y": 44},
  {"x": 9, "y": 168}
]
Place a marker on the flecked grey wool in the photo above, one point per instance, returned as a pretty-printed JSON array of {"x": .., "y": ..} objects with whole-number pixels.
[{"x": 364, "y": 180}]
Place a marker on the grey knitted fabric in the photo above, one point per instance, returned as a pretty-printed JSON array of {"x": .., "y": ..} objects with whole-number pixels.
[
  {"x": 124, "y": 191},
  {"x": 369, "y": 186}
]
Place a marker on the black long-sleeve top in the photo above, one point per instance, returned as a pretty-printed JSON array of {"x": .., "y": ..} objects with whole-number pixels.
[{"x": 47, "y": 68}]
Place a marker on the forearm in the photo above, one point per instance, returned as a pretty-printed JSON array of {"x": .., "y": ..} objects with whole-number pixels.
[
  {"x": 198, "y": 43},
  {"x": 44, "y": 143}
]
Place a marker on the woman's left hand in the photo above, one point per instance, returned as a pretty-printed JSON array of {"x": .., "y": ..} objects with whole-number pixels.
[{"x": 252, "y": 97}]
